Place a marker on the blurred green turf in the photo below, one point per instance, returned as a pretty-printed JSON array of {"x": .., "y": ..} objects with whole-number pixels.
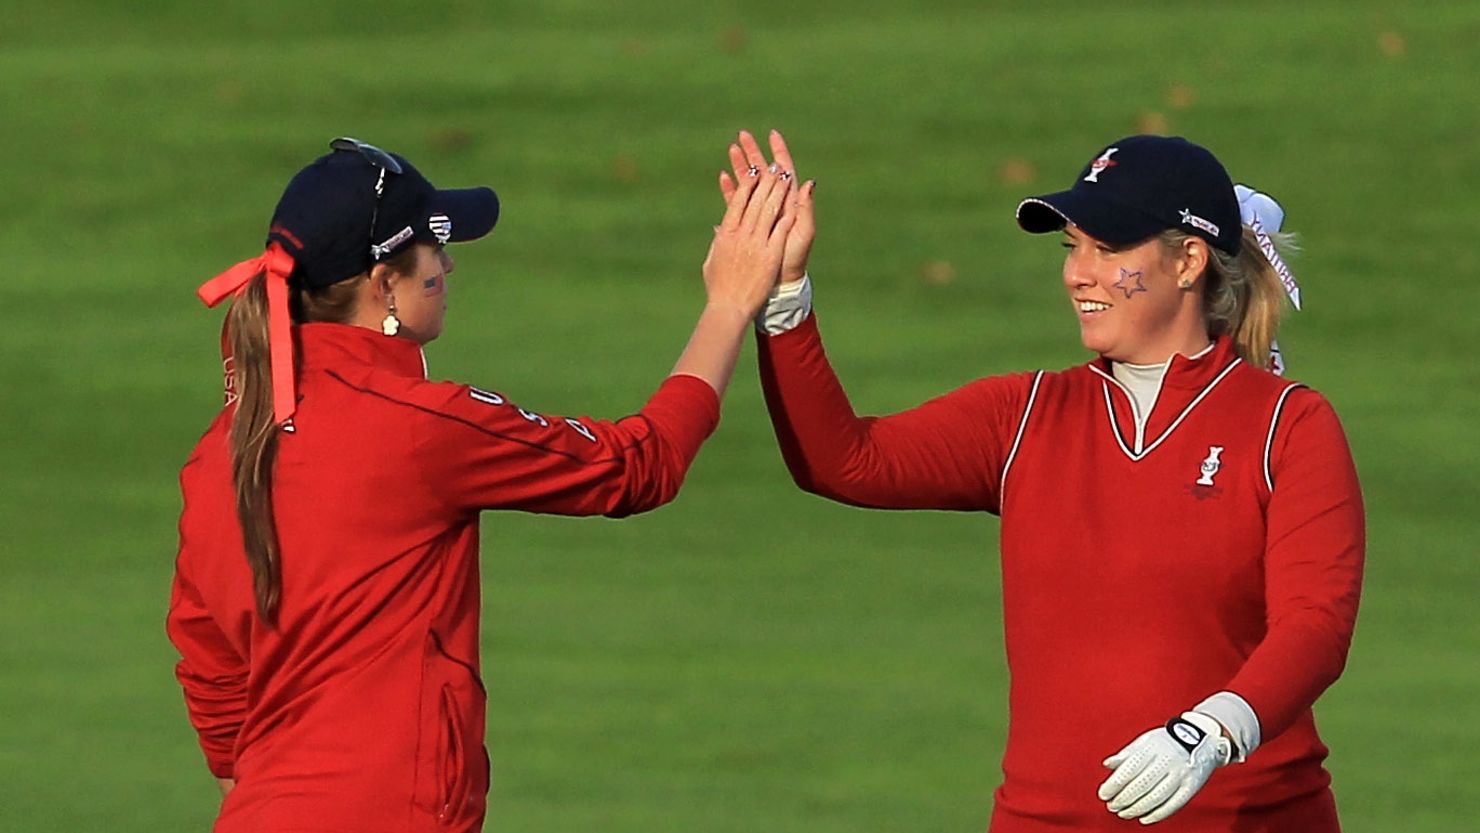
[{"x": 749, "y": 658}]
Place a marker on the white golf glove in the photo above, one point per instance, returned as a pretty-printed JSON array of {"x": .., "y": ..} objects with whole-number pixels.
[{"x": 1160, "y": 770}]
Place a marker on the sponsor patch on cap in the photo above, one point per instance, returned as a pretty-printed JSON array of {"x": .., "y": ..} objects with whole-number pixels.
[
  {"x": 381, "y": 250},
  {"x": 1197, "y": 222}
]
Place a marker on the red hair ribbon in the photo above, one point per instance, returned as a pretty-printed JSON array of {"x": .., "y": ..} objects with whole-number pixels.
[{"x": 278, "y": 265}]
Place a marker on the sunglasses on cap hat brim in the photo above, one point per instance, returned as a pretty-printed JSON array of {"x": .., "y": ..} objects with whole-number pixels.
[
  {"x": 388, "y": 165},
  {"x": 372, "y": 154}
]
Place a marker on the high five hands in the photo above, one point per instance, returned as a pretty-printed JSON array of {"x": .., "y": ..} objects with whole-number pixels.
[
  {"x": 752, "y": 238},
  {"x": 764, "y": 237},
  {"x": 746, "y": 160}
]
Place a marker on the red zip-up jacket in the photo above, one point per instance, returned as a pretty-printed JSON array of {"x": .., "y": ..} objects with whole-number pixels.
[
  {"x": 363, "y": 710},
  {"x": 1221, "y": 551}
]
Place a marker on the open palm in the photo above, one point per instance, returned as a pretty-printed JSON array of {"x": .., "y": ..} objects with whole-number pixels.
[{"x": 746, "y": 156}]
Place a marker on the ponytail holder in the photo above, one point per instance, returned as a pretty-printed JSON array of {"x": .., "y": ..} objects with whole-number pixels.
[{"x": 277, "y": 264}]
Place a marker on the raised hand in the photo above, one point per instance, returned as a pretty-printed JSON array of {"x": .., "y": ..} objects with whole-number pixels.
[
  {"x": 746, "y": 255},
  {"x": 746, "y": 156},
  {"x": 739, "y": 272}
]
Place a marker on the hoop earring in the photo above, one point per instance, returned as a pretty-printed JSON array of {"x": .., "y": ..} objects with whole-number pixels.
[{"x": 390, "y": 325}]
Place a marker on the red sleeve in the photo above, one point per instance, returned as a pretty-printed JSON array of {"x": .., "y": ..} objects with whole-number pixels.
[
  {"x": 945, "y": 454},
  {"x": 481, "y": 451},
  {"x": 211, "y": 672},
  {"x": 1314, "y": 550}
]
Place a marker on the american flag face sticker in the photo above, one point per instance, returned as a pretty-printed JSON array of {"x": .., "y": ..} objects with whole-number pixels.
[{"x": 441, "y": 226}]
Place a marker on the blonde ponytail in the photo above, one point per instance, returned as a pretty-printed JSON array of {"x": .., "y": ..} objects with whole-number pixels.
[{"x": 1243, "y": 297}]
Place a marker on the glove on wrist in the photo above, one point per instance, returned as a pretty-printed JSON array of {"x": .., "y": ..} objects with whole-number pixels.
[{"x": 1158, "y": 772}]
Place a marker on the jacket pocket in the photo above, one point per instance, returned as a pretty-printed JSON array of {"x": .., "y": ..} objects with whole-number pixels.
[{"x": 451, "y": 767}]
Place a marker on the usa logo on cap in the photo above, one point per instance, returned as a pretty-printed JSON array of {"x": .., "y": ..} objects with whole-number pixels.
[
  {"x": 441, "y": 226},
  {"x": 1104, "y": 161}
]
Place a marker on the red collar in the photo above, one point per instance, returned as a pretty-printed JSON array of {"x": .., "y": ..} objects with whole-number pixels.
[{"x": 326, "y": 345}]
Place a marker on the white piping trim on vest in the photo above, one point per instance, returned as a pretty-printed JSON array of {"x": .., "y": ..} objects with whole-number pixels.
[
  {"x": 1016, "y": 441},
  {"x": 1274, "y": 422},
  {"x": 1110, "y": 406},
  {"x": 1115, "y": 429},
  {"x": 1140, "y": 417}
]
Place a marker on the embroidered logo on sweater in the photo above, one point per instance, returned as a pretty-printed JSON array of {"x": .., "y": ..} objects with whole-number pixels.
[
  {"x": 1210, "y": 466},
  {"x": 581, "y": 429},
  {"x": 534, "y": 417},
  {"x": 487, "y": 397}
]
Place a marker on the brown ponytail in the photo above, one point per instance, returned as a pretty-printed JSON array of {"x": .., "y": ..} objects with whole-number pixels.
[
  {"x": 254, "y": 443},
  {"x": 254, "y": 436},
  {"x": 1242, "y": 294}
]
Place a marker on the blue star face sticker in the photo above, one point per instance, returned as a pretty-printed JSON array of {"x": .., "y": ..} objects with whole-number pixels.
[{"x": 1125, "y": 283}]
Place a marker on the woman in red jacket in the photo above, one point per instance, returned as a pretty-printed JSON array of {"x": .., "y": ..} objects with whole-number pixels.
[
  {"x": 1182, "y": 530},
  {"x": 325, "y": 601}
]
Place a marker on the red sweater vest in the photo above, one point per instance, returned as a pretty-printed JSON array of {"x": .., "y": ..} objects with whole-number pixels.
[{"x": 1222, "y": 552}]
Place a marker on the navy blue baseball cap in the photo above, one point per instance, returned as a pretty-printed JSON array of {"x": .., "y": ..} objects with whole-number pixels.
[
  {"x": 1141, "y": 186},
  {"x": 358, "y": 205}
]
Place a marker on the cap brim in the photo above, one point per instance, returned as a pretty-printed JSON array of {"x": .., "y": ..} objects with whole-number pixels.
[
  {"x": 473, "y": 211},
  {"x": 1100, "y": 218}
]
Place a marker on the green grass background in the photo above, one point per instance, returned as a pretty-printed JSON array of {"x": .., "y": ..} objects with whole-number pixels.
[{"x": 750, "y": 658}]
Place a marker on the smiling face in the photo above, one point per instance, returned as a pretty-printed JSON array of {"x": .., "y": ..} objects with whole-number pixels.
[{"x": 1138, "y": 303}]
